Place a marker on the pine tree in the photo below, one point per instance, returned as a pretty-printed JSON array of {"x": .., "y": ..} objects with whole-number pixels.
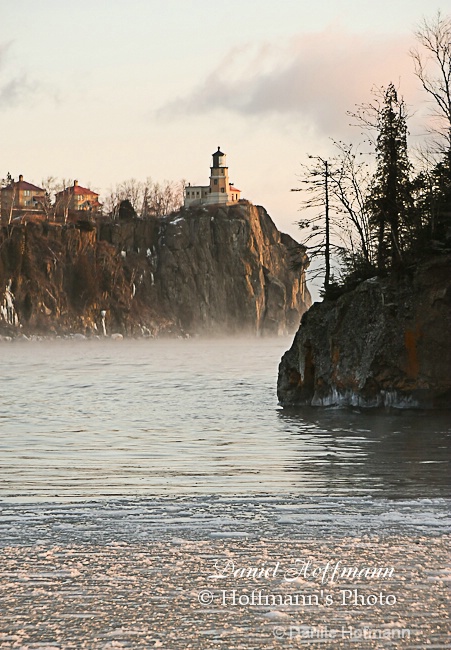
[
  {"x": 433, "y": 205},
  {"x": 390, "y": 201}
]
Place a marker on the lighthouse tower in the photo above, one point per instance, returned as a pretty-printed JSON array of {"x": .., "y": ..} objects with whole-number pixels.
[
  {"x": 219, "y": 192},
  {"x": 219, "y": 179}
]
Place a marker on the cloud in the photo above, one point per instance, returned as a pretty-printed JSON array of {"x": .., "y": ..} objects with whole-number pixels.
[
  {"x": 16, "y": 89},
  {"x": 317, "y": 76}
]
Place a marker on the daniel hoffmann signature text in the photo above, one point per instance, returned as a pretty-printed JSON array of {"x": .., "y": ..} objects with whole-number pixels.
[{"x": 328, "y": 573}]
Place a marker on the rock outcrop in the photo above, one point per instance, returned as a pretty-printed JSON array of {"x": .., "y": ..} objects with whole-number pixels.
[
  {"x": 221, "y": 270},
  {"x": 387, "y": 343}
]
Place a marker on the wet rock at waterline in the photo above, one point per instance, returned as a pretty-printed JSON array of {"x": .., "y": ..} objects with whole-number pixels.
[{"x": 387, "y": 343}]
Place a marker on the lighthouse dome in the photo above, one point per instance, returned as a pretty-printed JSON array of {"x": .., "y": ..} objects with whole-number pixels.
[{"x": 219, "y": 159}]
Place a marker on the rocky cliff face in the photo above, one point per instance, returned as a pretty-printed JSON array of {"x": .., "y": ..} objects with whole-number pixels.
[
  {"x": 228, "y": 270},
  {"x": 225, "y": 270},
  {"x": 387, "y": 343}
]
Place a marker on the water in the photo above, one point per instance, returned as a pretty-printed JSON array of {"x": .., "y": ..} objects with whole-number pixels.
[
  {"x": 129, "y": 469},
  {"x": 89, "y": 420}
]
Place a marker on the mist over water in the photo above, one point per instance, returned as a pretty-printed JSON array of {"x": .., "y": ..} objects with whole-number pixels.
[{"x": 98, "y": 419}]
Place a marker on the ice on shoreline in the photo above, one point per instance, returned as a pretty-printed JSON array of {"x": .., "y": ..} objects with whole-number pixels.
[{"x": 162, "y": 594}]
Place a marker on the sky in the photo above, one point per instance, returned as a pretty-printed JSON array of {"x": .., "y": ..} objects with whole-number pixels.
[{"x": 106, "y": 90}]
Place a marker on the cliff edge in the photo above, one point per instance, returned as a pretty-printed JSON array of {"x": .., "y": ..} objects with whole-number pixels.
[
  {"x": 217, "y": 271},
  {"x": 387, "y": 343}
]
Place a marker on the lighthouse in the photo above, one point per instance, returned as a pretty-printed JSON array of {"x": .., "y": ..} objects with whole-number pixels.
[
  {"x": 219, "y": 178},
  {"x": 219, "y": 192}
]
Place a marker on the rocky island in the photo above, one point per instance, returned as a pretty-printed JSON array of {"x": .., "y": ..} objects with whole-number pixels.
[{"x": 386, "y": 343}]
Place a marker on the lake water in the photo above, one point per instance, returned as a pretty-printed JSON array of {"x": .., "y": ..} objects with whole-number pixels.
[
  {"x": 92, "y": 419},
  {"x": 127, "y": 468}
]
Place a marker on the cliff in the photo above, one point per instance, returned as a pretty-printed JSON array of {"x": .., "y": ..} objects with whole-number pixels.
[
  {"x": 386, "y": 343},
  {"x": 225, "y": 270}
]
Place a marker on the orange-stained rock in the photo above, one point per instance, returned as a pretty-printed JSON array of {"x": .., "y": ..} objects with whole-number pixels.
[{"x": 386, "y": 343}]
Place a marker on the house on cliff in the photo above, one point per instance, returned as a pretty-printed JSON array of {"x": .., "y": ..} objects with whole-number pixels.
[
  {"x": 219, "y": 192},
  {"x": 76, "y": 202},
  {"x": 22, "y": 200}
]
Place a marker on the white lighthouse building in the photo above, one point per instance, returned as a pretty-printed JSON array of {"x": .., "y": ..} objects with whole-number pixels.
[{"x": 219, "y": 192}]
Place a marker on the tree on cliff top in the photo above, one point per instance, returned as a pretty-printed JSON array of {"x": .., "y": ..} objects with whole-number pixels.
[
  {"x": 339, "y": 228},
  {"x": 390, "y": 201},
  {"x": 126, "y": 211},
  {"x": 149, "y": 199},
  {"x": 364, "y": 219},
  {"x": 432, "y": 60},
  {"x": 388, "y": 219},
  {"x": 5, "y": 182},
  {"x": 315, "y": 181}
]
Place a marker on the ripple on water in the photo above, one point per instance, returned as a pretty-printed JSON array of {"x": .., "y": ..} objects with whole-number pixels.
[{"x": 195, "y": 417}]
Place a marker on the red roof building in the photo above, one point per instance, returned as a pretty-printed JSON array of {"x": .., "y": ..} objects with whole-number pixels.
[
  {"x": 22, "y": 200},
  {"x": 75, "y": 200}
]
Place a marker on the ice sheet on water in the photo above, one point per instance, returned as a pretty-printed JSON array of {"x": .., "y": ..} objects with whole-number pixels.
[
  {"x": 229, "y": 534},
  {"x": 137, "y": 594},
  {"x": 276, "y": 614},
  {"x": 129, "y": 519}
]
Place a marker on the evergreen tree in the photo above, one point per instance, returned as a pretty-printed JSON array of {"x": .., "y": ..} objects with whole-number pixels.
[
  {"x": 433, "y": 206},
  {"x": 126, "y": 210},
  {"x": 5, "y": 182},
  {"x": 390, "y": 201}
]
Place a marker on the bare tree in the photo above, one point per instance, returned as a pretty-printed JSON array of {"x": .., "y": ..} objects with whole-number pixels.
[
  {"x": 8, "y": 198},
  {"x": 51, "y": 185},
  {"x": 130, "y": 190},
  {"x": 5, "y": 182},
  {"x": 60, "y": 192},
  {"x": 133, "y": 191},
  {"x": 320, "y": 232},
  {"x": 111, "y": 203},
  {"x": 149, "y": 199},
  {"x": 349, "y": 184},
  {"x": 12, "y": 202},
  {"x": 164, "y": 198},
  {"x": 339, "y": 229},
  {"x": 432, "y": 60}
]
